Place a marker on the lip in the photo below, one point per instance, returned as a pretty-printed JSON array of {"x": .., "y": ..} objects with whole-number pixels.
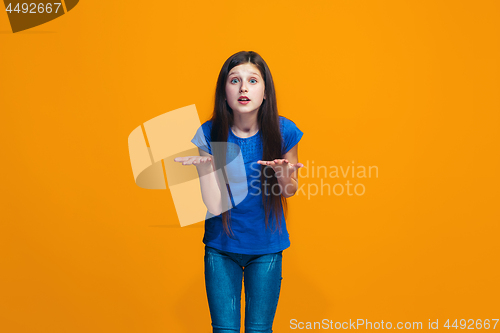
[{"x": 243, "y": 102}]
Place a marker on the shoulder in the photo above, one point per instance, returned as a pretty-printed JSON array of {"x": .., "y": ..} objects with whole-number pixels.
[
  {"x": 290, "y": 133},
  {"x": 207, "y": 125},
  {"x": 202, "y": 137},
  {"x": 286, "y": 123},
  {"x": 287, "y": 126},
  {"x": 205, "y": 129}
]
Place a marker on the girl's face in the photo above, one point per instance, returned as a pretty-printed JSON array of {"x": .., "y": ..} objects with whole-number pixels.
[{"x": 245, "y": 81}]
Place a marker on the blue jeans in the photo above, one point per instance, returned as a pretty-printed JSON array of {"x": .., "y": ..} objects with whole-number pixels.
[{"x": 262, "y": 277}]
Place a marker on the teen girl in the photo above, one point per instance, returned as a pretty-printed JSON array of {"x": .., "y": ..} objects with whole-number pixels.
[{"x": 243, "y": 242}]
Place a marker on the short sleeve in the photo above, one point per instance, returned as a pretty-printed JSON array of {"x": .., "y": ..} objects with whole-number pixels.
[
  {"x": 291, "y": 134},
  {"x": 202, "y": 137}
]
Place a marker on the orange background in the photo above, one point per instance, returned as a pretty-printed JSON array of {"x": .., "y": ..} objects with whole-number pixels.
[{"x": 410, "y": 87}]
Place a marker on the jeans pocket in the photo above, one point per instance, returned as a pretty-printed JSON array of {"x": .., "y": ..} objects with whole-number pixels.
[{"x": 213, "y": 252}]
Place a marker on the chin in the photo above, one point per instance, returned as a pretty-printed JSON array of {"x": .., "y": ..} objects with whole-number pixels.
[{"x": 245, "y": 111}]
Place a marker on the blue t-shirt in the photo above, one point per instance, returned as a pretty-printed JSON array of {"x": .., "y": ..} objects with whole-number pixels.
[{"x": 250, "y": 235}]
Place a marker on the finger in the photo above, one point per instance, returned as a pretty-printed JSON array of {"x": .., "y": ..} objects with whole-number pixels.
[
  {"x": 297, "y": 166},
  {"x": 189, "y": 161}
]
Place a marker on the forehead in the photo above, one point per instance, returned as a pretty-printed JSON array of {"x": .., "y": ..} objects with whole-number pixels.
[{"x": 248, "y": 69}]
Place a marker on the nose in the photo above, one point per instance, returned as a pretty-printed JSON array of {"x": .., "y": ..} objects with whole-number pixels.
[{"x": 243, "y": 88}]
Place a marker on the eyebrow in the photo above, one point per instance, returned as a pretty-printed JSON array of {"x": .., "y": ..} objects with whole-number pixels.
[{"x": 238, "y": 73}]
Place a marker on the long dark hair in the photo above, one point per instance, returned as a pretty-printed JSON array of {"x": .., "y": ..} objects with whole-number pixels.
[{"x": 269, "y": 130}]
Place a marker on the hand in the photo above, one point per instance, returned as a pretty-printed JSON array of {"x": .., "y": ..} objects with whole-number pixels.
[
  {"x": 282, "y": 167},
  {"x": 194, "y": 160}
]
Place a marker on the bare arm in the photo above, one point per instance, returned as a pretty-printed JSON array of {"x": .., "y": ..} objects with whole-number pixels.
[
  {"x": 286, "y": 171},
  {"x": 210, "y": 190},
  {"x": 290, "y": 185}
]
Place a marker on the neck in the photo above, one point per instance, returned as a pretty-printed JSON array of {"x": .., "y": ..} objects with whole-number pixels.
[{"x": 245, "y": 125}]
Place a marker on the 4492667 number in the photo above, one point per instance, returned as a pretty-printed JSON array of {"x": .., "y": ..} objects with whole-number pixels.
[
  {"x": 471, "y": 324},
  {"x": 33, "y": 8}
]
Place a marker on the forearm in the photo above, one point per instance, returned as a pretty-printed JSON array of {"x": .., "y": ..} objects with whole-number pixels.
[
  {"x": 288, "y": 186},
  {"x": 210, "y": 190}
]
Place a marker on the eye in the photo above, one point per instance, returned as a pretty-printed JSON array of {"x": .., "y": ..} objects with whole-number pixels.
[
  {"x": 253, "y": 80},
  {"x": 232, "y": 80}
]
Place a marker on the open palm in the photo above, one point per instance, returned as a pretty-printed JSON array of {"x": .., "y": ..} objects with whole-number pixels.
[
  {"x": 282, "y": 167},
  {"x": 196, "y": 160}
]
